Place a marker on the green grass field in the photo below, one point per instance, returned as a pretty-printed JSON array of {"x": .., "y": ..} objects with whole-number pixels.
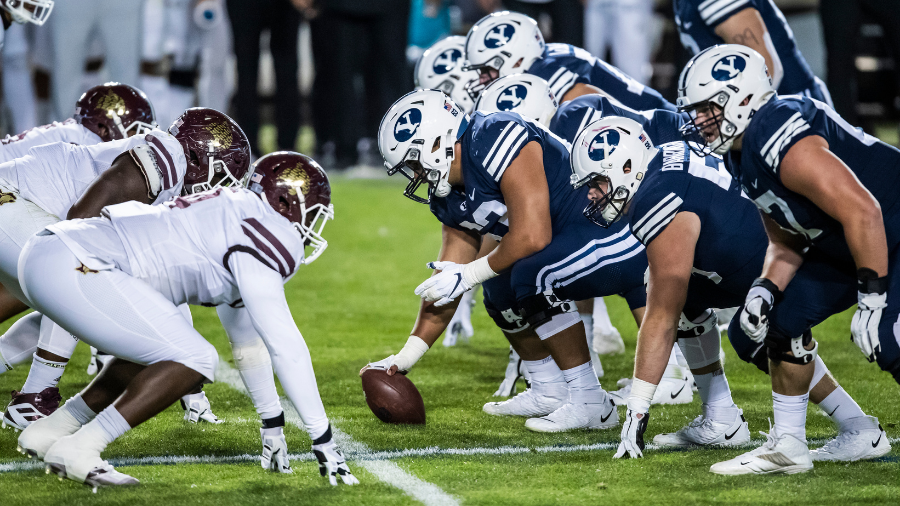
[{"x": 356, "y": 304}]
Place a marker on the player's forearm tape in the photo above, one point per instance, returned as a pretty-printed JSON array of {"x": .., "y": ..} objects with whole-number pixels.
[
  {"x": 641, "y": 396},
  {"x": 477, "y": 272},
  {"x": 412, "y": 351}
]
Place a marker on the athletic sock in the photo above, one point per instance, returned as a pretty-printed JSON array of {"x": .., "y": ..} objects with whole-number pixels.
[
  {"x": 583, "y": 385},
  {"x": 112, "y": 424},
  {"x": 79, "y": 409},
  {"x": 600, "y": 319},
  {"x": 588, "y": 321},
  {"x": 43, "y": 374},
  {"x": 840, "y": 407},
  {"x": 715, "y": 392},
  {"x": 673, "y": 368},
  {"x": 546, "y": 378},
  {"x": 790, "y": 414}
]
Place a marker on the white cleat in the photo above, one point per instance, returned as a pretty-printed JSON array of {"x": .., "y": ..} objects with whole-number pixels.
[
  {"x": 515, "y": 369},
  {"x": 669, "y": 391},
  {"x": 861, "y": 438},
  {"x": 596, "y": 364},
  {"x": 608, "y": 343},
  {"x": 40, "y": 436},
  {"x": 69, "y": 458},
  {"x": 704, "y": 431},
  {"x": 460, "y": 326},
  {"x": 93, "y": 367},
  {"x": 778, "y": 455},
  {"x": 197, "y": 409},
  {"x": 573, "y": 416},
  {"x": 528, "y": 403}
]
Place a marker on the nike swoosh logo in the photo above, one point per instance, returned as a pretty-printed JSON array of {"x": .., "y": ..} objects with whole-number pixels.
[
  {"x": 753, "y": 184},
  {"x": 604, "y": 419},
  {"x": 678, "y": 392},
  {"x": 728, "y": 438},
  {"x": 835, "y": 409},
  {"x": 472, "y": 197},
  {"x": 745, "y": 463},
  {"x": 875, "y": 444}
]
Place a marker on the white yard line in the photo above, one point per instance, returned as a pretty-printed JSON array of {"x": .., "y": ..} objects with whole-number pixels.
[{"x": 428, "y": 494}]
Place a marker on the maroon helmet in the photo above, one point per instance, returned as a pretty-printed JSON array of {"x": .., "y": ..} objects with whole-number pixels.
[
  {"x": 115, "y": 111},
  {"x": 297, "y": 187},
  {"x": 217, "y": 151}
]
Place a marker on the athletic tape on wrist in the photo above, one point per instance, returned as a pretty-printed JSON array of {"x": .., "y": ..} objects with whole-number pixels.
[
  {"x": 478, "y": 272},
  {"x": 412, "y": 351}
]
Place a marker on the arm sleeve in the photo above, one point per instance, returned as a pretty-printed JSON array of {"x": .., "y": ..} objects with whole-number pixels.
[
  {"x": 262, "y": 292},
  {"x": 715, "y": 12},
  {"x": 252, "y": 359}
]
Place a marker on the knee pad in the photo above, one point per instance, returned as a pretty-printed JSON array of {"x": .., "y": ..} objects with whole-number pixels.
[
  {"x": 699, "y": 342},
  {"x": 760, "y": 359},
  {"x": 687, "y": 328},
  {"x": 508, "y": 320},
  {"x": 539, "y": 309},
  {"x": 251, "y": 355},
  {"x": 780, "y": 347},
  {"x": 557, "y": 324}
]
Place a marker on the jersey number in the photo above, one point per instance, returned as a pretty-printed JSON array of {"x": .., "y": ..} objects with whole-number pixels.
[{"x": 769, "y": 202}]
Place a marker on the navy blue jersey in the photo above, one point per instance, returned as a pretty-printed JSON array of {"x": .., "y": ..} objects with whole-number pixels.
[
  {"x": 697, "y": 21},
  {"x": 660, "y": 125},
  {"x": 563, "y": 66},
  {"x": 780, "y": 124},
  {"x": 490, "y": 144},
  {"x": 731, "y": 233}
]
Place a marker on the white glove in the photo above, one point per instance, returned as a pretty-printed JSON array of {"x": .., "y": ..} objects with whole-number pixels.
[
  {"x": 632, "y": 444},
  {"x": 275, "y": 453},
  {"x": 453, "y": 280},
  {"x": 332, "y": 464},
  {"x": 864, "y": 326},
  {"x": 755, "y": 315}
]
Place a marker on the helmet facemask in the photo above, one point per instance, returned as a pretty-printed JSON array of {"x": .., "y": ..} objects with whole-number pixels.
[
  {"x": 217, "y": 174},
  {"x": 607, "y": 209},
  {"x": 476, "y": 86},
  {"x": 708, "y": 131},
  {"x": 435, "y": 176},
  {"x": 311, "y": 228},
  {"x": 28, "y": 11}
]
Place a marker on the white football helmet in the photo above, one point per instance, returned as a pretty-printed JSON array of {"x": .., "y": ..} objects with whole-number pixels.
[
  {"x": 28, "y": 11},
  {"x": 417, "y": 137},
  {"x": 441, "y": 68},
  {"x": 508, "y": 42},
  {"x": 722, "y": 88},
  {"x": 527, "y": 95},
  {"x": 610, "y": 155}
]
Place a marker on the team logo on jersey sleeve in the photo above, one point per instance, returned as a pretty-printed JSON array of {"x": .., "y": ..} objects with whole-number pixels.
[
  {"x": 499, "y": 36},
  {"x": 7, "y": 198},
  {"x": 603, "y": 144},
  {"x": 728, "y": 67},
  {"x": 511, "y": 97},
  {"x": 446, "y": 61},
  {"x": 407, "y": 125}
]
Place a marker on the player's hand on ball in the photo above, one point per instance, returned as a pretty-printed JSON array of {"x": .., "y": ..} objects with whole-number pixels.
[
  {"x": 332, "y": 463},
  {"x": 864, "y": 326},
  {"x": 632, "y": 444},
  {"x": 387, "y": 365},
  {"x": 275, "y": 453},
  {"x": 445, "y": 286}
]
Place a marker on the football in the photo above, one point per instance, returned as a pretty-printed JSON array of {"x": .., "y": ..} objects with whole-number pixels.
[{"x": 393, "y": 399}]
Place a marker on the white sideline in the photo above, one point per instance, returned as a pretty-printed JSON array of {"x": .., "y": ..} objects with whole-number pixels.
[{"x": 428, "y": 494}]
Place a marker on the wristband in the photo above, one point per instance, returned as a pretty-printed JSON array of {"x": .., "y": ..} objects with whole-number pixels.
[
  {"x": 477, "y": 272},
  {"x": 769, "y": 286},
  {"x": 275, "y": 421},
  {"x": 412, "y": 351},
  {"x": 641, "y": 395},
  {"x": 869, "y": 282}
]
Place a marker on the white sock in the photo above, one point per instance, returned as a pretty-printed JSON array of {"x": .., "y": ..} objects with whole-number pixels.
[
  {"x": 19, "y": 343},
  {"x": 79, "y": 409},
  {"x": 588, "y": 321},
  {"x": 112, "y": 424},
  {"x": 790, "y": 414},
  {"x": 673, "y": 368},
  {"x": 583, "y": 385},
  {"x": 546, "y": 378},
  {"x": 43, "y": 374},
  {"x": 714, "y": 391},
  {"x": 601, "y": 321},
  {"x": 840, "y": 407}
]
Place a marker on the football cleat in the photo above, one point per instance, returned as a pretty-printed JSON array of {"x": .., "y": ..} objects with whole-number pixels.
[
  {"x": 461, "y": 324},
  {"x": 529, "y": 403},
  {"x": 669, "y": 391},
  {"x": 72, "y": 458},
  {"x": 25, "y": 409},
  {"x": 861, "y": 438},
  {"x": 608, "y": 343},
  {"x": 705, "y": 431},
  {"x": 515, "y": 369},
  {"x": 38, "y": 437},
  {"x": 572, "y": 416},
  {"x": 780, "y": 454},
  {"x": 197, "y": 409},
  {"x": 98, "y": 360}
]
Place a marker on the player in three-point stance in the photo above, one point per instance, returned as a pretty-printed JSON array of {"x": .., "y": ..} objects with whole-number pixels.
[{"x": 827, "y": 196}]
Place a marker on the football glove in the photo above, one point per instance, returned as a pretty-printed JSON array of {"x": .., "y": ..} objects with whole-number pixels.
[
  {"x": 632, "y": 444},
  {"x": 872, "y": 299},
  {"x": 755, "y": 315},
  {"x": 331, "y": 461},
  {"x": 445, "y": 286},
  {"x": 275, "y": 453}
]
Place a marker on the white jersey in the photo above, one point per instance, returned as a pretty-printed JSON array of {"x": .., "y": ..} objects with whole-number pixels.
[
  {"x": 184, "y": 248},
  {"x": 17, "y": 146},
  {"x": 54, "y": 176}
]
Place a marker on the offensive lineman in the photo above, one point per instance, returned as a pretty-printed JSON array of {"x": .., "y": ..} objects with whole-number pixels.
[{"x": 117, "y": 280}]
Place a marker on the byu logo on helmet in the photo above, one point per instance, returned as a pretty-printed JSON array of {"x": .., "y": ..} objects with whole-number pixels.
[
  {"x": 511, "y": 97},
  {"x": 728, "y": 67},
  {"x": 446, "y": 61},
  {"x": 407, "y": 125},
  {"x": 499, "y": 36},
  {"x": 603, "y": 144}
]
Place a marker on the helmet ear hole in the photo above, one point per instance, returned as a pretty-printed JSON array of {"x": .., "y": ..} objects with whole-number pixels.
[
  {"x": 626, "y": 168},
  {"x": 195, "y": 160},
  {"x": 436, "y": 145},
  {"x": 283, "y": 205}
]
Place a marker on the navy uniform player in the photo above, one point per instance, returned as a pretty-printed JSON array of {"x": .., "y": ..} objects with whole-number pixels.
[
  {"x": 661, "y": 125},
  {"x": 827, "y": 193},
  {"x": 757, "y": 24},
  {"x": 705, "y": 244},
  {"x": 507, "y": 43},
  {"x": 499, "y": 176}
]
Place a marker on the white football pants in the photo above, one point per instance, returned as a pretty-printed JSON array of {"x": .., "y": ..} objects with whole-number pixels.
[
  {"x": 111, "y": 310},
  {"x": 623, "y": 26}
]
